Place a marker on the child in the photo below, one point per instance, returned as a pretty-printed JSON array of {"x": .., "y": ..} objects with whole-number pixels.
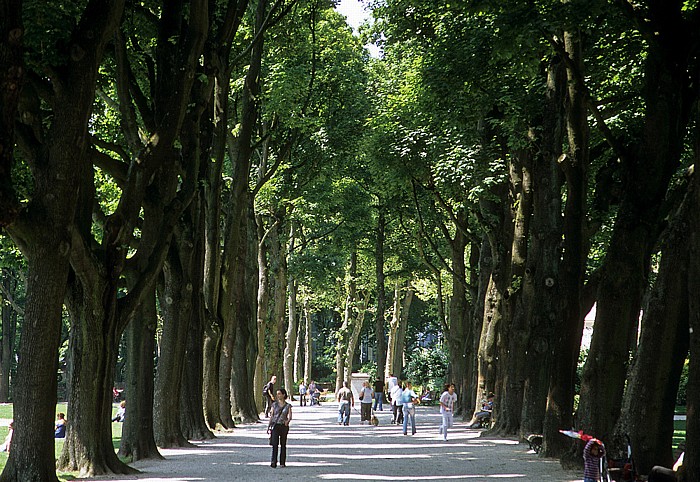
[{"x": 592, "y": 453}]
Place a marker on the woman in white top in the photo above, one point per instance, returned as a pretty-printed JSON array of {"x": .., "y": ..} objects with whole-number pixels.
[
  {"x": 447, "y": 406},
  {"x": 366, "y": 398}
]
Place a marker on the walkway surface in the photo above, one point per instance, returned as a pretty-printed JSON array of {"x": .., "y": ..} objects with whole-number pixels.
[{"x": 320, "y": 449}]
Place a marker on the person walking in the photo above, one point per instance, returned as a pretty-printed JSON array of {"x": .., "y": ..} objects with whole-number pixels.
[
  {"x": 269, "y": 394},
  {"x": 409, "y": 400},
  {"x": 302, "y": 394},
  {"x": 378, "y": 395},
  {"x": 278, "y": 428},
  {"x": 447, "y": 405},
  {"x": 346, "y": 400},
  {"x": 396, "y": 405},
  {"x": 366, "y": 396}
]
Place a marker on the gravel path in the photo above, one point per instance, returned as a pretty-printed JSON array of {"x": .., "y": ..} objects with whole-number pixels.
[{"x": 319, "y": 449}]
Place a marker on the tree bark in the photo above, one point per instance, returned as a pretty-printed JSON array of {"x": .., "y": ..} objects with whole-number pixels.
[
  {"x": 175, "y": 298},
  {"x": 541, "y": 277},
  {"x": 137, "y": 441},
  {"x": 43, "y": 233},
  {"x": 670, "y": 93},
  {"x": 380, "y": 322},
  {"x": 515, "y": 336},
  {"x": 11, "y": 78},
  {"x": 496, "y": 306},
  {"x": 392, "y": 364},
  {"x": 355, "y": 335},
  {"x": 652, "y": 384},
  {"x": 567, "y": 329},
  {"x": 263, "y": 309},
  {"x": 9, "y": 328},
  {"x": 291, "y": 338},
  {"x": 307, "y": 342},
  {"x": 343, "y": 334},
  {"x": 691, "y": 463}
]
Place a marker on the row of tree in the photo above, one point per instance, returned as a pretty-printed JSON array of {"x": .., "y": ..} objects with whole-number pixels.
[{"x": 200, "y": 179}]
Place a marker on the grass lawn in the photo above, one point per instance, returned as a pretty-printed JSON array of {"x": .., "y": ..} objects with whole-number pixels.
[{"x": 6, "y": 412}]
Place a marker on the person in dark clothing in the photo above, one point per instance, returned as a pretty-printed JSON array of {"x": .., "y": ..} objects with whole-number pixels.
[
  {"x": 378, "y": 395},
  {"x": 278, "y": 428},
  {"x": 269, "y": 394}
]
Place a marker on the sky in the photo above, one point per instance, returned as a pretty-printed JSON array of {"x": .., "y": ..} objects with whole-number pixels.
[
  {"x": 356, "y": 14},
  {"x": 354, "y": 11}
]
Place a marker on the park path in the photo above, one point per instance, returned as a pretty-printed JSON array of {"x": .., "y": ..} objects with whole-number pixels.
[{"x": 319, "y": 449}]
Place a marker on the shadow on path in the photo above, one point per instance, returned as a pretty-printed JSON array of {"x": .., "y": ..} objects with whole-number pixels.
[{"x": 319, "y": 449}]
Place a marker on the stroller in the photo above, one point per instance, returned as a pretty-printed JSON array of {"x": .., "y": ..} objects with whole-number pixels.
[
  {"x": 316, "y": 398},
  {"x": 611, "y": 470},
  {"x": 623, "y": 469}
]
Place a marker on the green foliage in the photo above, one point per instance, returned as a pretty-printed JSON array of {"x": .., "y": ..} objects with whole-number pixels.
[
  {"x": 428, "y": 367},
  {"x": 370, "y": 368}
]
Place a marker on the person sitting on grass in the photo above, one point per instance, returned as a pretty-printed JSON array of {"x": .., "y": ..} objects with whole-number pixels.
[
  {"x": 60, "y": 426},
  {"x": 121, "y": 412},
  {"x": 5, "y": 447}
]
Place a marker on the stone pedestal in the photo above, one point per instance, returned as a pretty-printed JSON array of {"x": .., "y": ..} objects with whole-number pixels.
[{"x": 356, "y": 385}]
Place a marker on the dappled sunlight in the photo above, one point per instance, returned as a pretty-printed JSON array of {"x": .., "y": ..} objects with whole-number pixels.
[
  {"x": 423, "y": 477},
  {"x": 320, "y": 449}
]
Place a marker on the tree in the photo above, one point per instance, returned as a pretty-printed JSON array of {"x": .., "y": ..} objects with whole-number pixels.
[{"x": 59, "y": 158}]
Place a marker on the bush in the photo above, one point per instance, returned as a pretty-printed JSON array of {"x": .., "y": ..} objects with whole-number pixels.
[{"x": 427, "y": 367}]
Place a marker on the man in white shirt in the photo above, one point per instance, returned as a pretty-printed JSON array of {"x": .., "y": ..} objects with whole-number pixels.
[{"x": 396, "y": 405}]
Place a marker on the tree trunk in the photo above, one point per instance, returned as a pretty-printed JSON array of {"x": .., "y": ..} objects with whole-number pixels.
[
  {"x": 307, "y": 342},
  {"x": 9, "y": 327},
  {"x": 652, "y": 384},
  {"x": 210, "y": 383},
  {"x": 245, "y": 347},
  {"x": 137, "y": 441},
  {"x": 279, "y": 262},
  {"x": 669, "y": 98},
  {"x": 496, "y": 306},
  {"x": 484, "y": 275},
  {"x": 291, "y": 338},
  {"x": 176, "y": 305},
  {"x": 460, "y": 327},
  {"x": 403, "y": 327},
  {"x": 42, "y": 232},
  {"x": 691, "y": 463},
  {"x": 32, "y": 455},
  {"x": 11, "y": 79},
  {"x": 233, "y": 307},
  {"x": 263, "y": 309},
  {"x": 392, "y": 364},
  {"x": 355, "y": 335},
  {"x": 381, "y": 294},
  {"x": 516, "y": 334},
  {"x": 567, "y": 329},
  {"x": 341, "y": 358},
  {"x": 541, "y": 278},
  {"x": 93, "y": 345}
]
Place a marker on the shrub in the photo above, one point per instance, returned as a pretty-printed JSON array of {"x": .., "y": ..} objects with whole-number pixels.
[{"x": 427, "y": 367}]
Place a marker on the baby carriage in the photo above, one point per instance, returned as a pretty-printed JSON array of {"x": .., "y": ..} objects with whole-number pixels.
[
  {"x": 623, "y": 469},
  {"x": 316, "y": 398}
]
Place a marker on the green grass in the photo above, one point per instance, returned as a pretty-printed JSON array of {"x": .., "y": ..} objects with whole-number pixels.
[
  {"x": 678, "y": 433},
  {"x": 7, "y": 413}
]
